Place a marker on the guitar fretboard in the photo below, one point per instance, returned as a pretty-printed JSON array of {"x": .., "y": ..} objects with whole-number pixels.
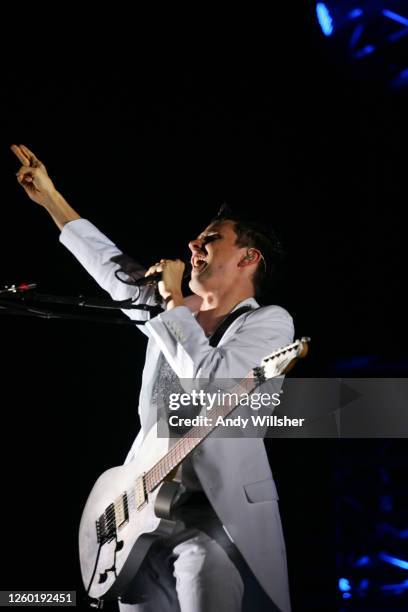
[{"x": 187, "y": 443}]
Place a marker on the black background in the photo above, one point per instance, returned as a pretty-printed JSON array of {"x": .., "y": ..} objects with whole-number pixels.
[{"x": 146, "y": 137}]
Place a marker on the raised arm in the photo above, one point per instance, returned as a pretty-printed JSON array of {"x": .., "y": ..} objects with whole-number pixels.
[{"x": 90, "y": 246}]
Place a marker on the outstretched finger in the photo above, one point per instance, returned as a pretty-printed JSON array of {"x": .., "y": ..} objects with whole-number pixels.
[
  {"x": 20, "y": 155},
  {"x": 34, "y": 161}
]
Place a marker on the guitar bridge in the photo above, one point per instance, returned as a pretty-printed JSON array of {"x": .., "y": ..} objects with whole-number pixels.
[
  {"x": 106, "y": 525},
  {"x": 115, "y": 516}
]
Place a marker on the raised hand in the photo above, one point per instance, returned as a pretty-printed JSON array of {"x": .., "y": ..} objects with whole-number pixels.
[
  {"x": 34, "y": 179},
  {"x": 33, "y": 176}
]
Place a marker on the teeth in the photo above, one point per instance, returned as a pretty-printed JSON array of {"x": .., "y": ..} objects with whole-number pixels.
[{"x": 198, "y": 263}]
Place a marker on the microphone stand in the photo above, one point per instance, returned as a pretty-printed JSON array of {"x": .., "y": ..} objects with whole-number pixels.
[{"x": 14, "y": 301}]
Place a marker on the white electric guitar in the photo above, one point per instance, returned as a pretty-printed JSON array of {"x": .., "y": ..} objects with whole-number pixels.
[{"x": 130, "y": 505}]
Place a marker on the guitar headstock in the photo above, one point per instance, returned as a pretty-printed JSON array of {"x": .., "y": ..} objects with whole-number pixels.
[{"x": 282, "y": 360}]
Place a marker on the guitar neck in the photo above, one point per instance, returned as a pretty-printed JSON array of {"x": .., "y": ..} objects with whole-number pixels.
[
  {"x": 275, "y": 364},
  {"x": 187, "y": 443}
]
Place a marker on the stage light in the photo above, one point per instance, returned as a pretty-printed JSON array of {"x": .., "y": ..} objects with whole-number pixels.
[
  {"x": 395, "y": 17},
  {"x": 363, "y": 561},
  {"x": 344, "y": 584},
  {"x": 372, "y": 35},
  {"x": 398, "y": 588},
  {"x": 393, "y": 560},
  {"x": 355, "y": 13},
  {"x": 324, "y": 18}
]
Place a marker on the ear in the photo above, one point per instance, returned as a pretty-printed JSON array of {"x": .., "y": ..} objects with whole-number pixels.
[{"x": 252, "y": 256}]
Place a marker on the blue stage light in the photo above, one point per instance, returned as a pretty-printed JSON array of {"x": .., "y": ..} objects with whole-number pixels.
[
  {"x": 344, "y": 584},
  {"x": 324, "y": 18},
  {"x": 373, "y": 36},
  {"x": 365, "y": 51},
  {"x": 356, "y": 13},
  {"x": 398, "y": 588},
  {"x": 393, "y": 560},
  {"x": 363, "y": 561},
  {"x": 395, "y": 17}
]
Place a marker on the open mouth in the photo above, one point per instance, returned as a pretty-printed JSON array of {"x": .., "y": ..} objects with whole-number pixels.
[{"x": 198, "y": 263}]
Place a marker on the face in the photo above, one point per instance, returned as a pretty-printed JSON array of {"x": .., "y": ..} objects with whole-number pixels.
[{"x": 215, "y": 258}]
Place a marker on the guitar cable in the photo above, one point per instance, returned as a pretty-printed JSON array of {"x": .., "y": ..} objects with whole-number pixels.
[
  {"x": 112, "y": 569},
  {"x": 95, "y": 566}
]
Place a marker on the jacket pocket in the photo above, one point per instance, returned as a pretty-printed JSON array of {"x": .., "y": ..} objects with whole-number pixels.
[{"x": 261, "y": 490}]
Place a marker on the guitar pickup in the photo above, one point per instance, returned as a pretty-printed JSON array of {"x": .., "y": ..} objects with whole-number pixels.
[
  {"x": 121, "y": 511},
  {"x": 140, "y": 492}
]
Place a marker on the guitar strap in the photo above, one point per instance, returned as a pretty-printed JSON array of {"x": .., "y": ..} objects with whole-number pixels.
[{"x": 221, "y": 329}]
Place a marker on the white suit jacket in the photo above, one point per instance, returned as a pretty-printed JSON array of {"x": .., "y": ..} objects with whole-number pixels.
[{"x": 234, "y": 472}]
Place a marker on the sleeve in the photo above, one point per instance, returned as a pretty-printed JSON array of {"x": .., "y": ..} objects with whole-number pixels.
[
  {"x": 94, "y": 251},
  {"x": 189, "y": 353}
]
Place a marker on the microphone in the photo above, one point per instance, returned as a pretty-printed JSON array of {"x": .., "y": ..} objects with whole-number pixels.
[
  {"x": 132, "y": 269},
  {"x": 153, "y": 279}
]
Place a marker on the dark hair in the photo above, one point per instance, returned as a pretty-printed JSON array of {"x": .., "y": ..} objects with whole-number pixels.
[{"x": 251, "y": 233}]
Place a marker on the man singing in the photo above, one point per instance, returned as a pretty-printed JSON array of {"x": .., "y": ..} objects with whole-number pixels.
[{"x": 230, "y": 553}]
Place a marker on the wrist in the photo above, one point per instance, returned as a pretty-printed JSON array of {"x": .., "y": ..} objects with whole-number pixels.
[
  {"x": 59, "y": 209},
  {"x": 53, "y": 201},
  {"x": 173, "y": 300}
]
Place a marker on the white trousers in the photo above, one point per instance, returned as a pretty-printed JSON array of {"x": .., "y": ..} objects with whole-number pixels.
[{"x": 195, "y": 575}]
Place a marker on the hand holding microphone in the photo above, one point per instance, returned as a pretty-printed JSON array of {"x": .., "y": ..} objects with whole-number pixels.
[{"x": 169, "y": 284}]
